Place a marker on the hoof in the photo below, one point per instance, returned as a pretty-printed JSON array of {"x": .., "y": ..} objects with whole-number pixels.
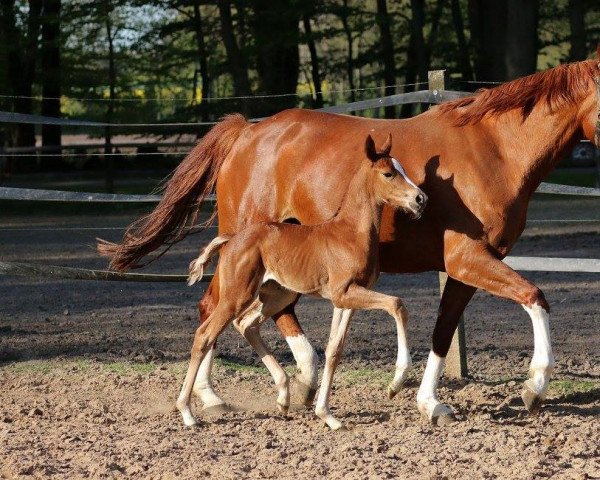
[
  {"x": 391, "y": 392},
  {"x": 533, "y": 402},
  {"x": 341, "y": 428},
  {"x": 283, "y": 409},
  {"x": 218, "y": 409},
  {"x": 444, "y": 419},
  {"x": 441, "y": 415},
  {"x": 306, "y": 394}
]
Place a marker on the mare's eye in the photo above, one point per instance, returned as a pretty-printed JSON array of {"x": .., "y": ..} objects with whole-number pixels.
[{"x": 388, "y": 174}]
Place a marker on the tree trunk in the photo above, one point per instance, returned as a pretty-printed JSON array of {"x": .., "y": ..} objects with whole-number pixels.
[
  {"x": 202, "y": 61},
  {"x": 350, "y": 50},
  {"x": 51, "y": 82},
  {"x": 387, "y": 54},
  {"x": 578, "y": 49},
  {"x": 276, "y": 33},
  {"x": 21, "y": 56},
  {"x": 463, "y": 50},
  {"x": 112, "y": 79},
  {"x": 235, "y": 60},
  {"x": 416, "y": 62},
  {"x": 521, "y": 38},
  {"x": 487, "y": 20},
  {"x": 314, "y": 61}
]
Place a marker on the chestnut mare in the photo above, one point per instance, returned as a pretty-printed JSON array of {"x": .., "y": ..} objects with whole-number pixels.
[
  {"x": 337, "y": 260},
  {"x": 479, "y": 160}
]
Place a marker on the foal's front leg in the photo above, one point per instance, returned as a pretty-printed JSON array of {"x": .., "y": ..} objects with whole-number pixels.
[
  {"x": 360, "y": 298},
  {"x": 335, "y": 346}
]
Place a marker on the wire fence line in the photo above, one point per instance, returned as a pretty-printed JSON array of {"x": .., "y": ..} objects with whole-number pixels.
[{"x": 213, "y": 99}]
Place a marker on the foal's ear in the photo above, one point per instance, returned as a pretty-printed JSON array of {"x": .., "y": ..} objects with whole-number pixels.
[
  {"x": 387, "y": 146},
  {"x": 370, "y": 149}
]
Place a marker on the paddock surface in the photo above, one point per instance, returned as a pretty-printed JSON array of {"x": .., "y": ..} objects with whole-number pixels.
[{"x": 89, "y": 372}]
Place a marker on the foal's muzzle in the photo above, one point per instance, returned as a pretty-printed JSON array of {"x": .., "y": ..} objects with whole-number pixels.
[{"x": 417, "y": 206}]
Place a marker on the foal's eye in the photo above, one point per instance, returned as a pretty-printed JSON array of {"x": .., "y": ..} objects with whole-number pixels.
[{"x": 388, "y": 174}]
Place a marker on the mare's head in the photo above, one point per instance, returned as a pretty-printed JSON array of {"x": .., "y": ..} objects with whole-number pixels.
[{"x": 390, "y": 183}]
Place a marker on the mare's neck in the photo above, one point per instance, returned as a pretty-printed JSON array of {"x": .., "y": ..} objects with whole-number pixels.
[
  {"x": 538, "y": 143},
  {"x": 360, "y": 210}
]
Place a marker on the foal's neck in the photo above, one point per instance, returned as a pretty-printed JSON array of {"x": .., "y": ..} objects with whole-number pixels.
[{"x": 360, "y": 209}]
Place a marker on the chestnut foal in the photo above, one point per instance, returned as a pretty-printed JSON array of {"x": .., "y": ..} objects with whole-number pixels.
[{"x": 337, "y": 260}]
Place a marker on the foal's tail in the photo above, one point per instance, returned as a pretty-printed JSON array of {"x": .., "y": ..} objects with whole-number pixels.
[
  {"x": 197, "y": 266},
  {"x": 192, "y": 181}
]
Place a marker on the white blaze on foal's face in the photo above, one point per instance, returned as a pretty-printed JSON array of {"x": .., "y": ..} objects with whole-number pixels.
[{"x": 401, "y": 171}]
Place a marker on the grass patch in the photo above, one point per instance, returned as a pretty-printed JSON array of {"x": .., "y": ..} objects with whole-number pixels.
[
  {"x": 32, "y": 366},
  {"x": 569, "y": 387},
  {"x": 364, "y": 376},
  {"x": 126, "y": 368},
  {"x": 240, "y": 367}
]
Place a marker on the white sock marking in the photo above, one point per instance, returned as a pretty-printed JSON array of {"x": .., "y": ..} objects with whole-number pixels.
[
  {"x": 306, "y": 358},
  {"x": 542, "y": 362},
  {"x": 427, "y": 400}
]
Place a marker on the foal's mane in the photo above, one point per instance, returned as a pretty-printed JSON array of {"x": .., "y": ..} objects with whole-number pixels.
[{"x": 559, "y": 86}]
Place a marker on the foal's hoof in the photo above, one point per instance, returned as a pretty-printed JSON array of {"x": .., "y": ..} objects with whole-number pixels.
[
  {"x": 283, "y": 409},
  {"x": 218, "y": 409},
  {"x": 391, "y": 392},
  {"x": 305, "y": 393},
  {"x": 533, "y": 402},
  {"x": 341, "y": 428}
]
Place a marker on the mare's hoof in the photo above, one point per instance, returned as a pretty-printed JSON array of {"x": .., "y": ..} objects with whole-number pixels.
[
  {"x": 441, "y": 415},
  {"x": 305, "y": 393},
  {"x": 443, "y": 419},
  {"x": 533, "y": 402},
  {"x": 218, "y": 409}
]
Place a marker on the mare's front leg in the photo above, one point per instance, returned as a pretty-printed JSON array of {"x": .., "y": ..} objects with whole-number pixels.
[
  {"x": 360, "y": 298},
  {"x": 455, "y": 298},
  {"x": 479, "y": 269}
]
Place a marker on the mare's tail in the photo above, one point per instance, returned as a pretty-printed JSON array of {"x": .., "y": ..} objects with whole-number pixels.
[
  {"x": 197, "y": 266},
  {"x": 192, "y": 181}
]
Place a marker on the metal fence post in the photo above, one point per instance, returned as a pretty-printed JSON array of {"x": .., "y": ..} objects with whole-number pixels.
[{"x": 456, "y": 360}]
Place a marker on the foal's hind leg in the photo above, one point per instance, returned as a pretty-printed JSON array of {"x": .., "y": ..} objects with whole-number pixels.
[
  {"x": 203, "y": 386},
  {"x": 249, "y": 326},
  {"x": 272, "y": 299},
  {"x": 204, "y": 339}
]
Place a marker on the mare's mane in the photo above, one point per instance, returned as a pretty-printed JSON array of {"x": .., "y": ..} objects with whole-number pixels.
[{"x": 559, "y": 86}]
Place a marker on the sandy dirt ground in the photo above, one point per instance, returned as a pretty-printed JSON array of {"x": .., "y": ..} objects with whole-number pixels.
[{"x": 89, "y": 372}]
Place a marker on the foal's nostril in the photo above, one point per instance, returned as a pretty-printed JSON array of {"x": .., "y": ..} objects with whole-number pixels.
[{"x": 420, "y": 199}]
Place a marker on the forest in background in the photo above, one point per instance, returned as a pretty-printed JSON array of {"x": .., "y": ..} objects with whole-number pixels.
[{"x": 131, "y": 61}]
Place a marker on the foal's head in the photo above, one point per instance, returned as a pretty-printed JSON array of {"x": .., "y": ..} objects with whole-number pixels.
[{"x": 390, "y": 183}]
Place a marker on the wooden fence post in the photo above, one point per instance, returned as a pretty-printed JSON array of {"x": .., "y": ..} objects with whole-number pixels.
[{"x": 456, "y": 360}]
